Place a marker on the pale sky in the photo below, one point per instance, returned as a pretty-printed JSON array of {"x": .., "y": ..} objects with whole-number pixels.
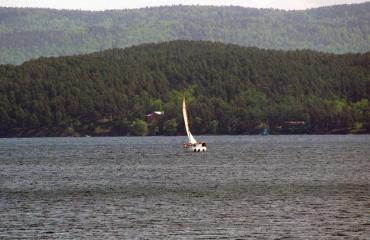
[{"x": 123, "y": 4}]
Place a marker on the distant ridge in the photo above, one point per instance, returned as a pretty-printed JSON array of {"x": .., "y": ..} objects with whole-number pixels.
[{"x": 31, "y": 33}]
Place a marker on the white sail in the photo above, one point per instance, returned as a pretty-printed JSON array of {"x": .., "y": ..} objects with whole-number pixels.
[{"x": 191, "y": 138}]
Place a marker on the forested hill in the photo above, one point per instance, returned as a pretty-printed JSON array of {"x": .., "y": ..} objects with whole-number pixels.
[
  {"x": 31, "y": 33},
  {"x": 230, "y": 90}
]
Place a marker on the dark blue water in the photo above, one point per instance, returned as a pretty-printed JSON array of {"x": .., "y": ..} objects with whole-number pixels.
[{"x": 294, "y": 187}]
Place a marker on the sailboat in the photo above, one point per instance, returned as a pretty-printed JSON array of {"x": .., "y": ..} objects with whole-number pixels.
[{"x": 192, "y": 145}]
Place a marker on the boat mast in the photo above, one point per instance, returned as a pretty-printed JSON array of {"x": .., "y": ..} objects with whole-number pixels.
[{"x": 186, "y": 122}]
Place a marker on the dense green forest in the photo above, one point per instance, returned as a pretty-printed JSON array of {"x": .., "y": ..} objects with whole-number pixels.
[
  {"x": 229, "y": 89},
  {"x": 31, "y": 33}
]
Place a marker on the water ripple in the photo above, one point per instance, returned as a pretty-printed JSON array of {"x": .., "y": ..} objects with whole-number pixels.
[{"x": 275, "y": 187}]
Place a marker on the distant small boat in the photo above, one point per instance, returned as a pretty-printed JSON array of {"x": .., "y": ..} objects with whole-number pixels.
[
  {"x": 192, "y": 145},
  {"x": 264, "y": 132}
]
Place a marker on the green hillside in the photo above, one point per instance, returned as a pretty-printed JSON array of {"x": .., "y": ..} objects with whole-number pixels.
[
  {"x": 31, "y": 33},
  {"x": 230, "y": 90}
]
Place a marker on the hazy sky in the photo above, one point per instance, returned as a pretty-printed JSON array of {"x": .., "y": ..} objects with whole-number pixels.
[{"x": 122, "y": 4}]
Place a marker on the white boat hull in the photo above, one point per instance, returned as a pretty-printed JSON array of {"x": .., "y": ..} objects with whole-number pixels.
[{"x": 197, "y": 147}]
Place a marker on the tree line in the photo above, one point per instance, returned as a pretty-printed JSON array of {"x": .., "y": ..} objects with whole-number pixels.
[{"x": 229, "y": 90}]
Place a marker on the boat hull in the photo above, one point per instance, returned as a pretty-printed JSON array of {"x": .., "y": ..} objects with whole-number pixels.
[{"x": 197, "y": 147}]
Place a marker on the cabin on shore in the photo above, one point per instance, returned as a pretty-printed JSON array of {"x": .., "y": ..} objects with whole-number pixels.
[
  {"x": 293, "y": 127},
  {"x": 154, "y": 116}
]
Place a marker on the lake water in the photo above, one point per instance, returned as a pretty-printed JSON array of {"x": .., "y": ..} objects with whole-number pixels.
[{"x": 259, "y": 187}]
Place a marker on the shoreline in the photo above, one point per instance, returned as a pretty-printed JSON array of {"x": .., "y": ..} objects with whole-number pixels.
[{"x": 33, "y": 133}]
